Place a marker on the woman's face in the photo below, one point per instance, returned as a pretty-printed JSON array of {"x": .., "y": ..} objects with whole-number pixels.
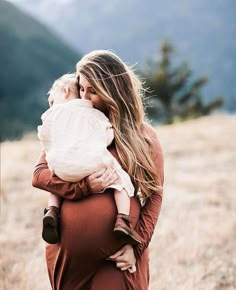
[{"x": 87, "y": 92}]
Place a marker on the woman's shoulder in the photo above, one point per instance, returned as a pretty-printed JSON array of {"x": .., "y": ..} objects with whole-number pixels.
[
  {"x": 152, "y": 133},
  {"x": 150, "y": 130}
]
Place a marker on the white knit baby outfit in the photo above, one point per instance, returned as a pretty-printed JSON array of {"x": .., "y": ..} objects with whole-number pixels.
[{"x": 75, "y": 137}]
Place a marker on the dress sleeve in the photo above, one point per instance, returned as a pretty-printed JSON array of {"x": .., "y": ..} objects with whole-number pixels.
[
  {"x": 44, "y": 179},
  {"x": 151, "y": 210}
]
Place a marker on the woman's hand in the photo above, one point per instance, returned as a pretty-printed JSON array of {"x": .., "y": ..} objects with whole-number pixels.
[
  {"x": 101, "y": 179},
  {"x": 125, "y": 258}
]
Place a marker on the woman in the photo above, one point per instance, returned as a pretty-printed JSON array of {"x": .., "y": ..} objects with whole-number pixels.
[{"x": 89, "y": 256}]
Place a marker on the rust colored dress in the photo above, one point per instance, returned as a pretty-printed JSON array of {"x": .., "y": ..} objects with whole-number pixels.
[{"x": 78, "y": 261}]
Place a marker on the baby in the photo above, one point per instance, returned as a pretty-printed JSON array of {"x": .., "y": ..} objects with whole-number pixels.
[{"x": 75, "y": 136}]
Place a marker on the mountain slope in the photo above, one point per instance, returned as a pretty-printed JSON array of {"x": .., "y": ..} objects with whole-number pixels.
[
  {"x": 31, "y": 57},
  {"x": 202, "y": 31}
]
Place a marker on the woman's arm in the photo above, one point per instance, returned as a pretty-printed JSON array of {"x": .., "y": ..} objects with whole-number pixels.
[
  {"x": 44, "y": 179},
  {"x": 151, "y": 210},
  {"x": 126, "y": 256}
]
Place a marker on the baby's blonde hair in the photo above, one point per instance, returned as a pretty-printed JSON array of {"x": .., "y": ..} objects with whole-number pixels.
[{"x": 66, "y": 81}]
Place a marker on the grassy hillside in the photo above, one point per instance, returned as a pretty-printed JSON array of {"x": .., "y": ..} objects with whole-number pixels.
[
  {"x": 194, "y": 242},
  {"x": 31, "y": 57}
]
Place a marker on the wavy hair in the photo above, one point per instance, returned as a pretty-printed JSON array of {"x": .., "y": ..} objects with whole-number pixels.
[{"x": 120, "y": 88}]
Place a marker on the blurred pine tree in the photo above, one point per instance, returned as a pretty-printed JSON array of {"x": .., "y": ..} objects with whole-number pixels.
[{"x": 171, "y": 94}]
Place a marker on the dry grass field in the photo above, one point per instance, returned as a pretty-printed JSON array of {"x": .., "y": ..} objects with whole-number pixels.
[{"x": 194, "y": 244}]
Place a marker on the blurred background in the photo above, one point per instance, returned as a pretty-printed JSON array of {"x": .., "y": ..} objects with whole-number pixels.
[{"x": 185, "y": 52}]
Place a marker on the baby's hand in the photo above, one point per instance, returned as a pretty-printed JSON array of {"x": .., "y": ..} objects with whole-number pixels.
[{"x": 132, "y": 269}]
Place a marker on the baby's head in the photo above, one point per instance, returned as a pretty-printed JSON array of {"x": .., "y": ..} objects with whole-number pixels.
[{"x": 63, "y": 89}]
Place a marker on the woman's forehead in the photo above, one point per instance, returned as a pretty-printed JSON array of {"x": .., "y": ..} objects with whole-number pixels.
[{"x": 83, "y": 81}]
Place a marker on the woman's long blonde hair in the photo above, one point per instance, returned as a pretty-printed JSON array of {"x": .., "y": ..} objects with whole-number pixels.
[{"x": 121, "y": 90}]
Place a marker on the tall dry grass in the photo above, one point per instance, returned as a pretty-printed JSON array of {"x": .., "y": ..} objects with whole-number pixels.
[{"x": 194, "y": 244}]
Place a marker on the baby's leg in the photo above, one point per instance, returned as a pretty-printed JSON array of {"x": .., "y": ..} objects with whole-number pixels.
[
  {"x": 122, "y": 226},
  {"x": 50, "y": 231},
  {"x": 122, "y": 201},
  {"x": 54, "y": 200}
]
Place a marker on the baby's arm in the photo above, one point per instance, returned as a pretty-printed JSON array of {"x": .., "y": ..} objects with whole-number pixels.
[
  {"x": 103, "y": 123},
  {"x": 110, "y": 133}
]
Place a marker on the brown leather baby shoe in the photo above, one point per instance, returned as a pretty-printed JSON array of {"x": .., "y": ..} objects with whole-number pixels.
[
  {"x": 50, "y": 225},
  {"x": 123, "y": 229}
]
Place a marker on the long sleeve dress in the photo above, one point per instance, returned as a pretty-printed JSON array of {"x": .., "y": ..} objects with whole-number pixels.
[{"x": 78, "y": 261}]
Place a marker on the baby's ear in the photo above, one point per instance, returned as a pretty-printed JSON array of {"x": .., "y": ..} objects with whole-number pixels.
[
  {"x": 50, "y": 101},
  {"x": 66, "y": 92}
]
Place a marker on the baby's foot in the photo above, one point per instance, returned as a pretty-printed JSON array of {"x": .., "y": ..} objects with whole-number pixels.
[
  {"x": 50, "y": 225},
  {"x": 123, "y": 229}
]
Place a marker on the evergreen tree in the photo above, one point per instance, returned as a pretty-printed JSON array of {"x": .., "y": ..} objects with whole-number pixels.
[{"x": 172, "y": 93}]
